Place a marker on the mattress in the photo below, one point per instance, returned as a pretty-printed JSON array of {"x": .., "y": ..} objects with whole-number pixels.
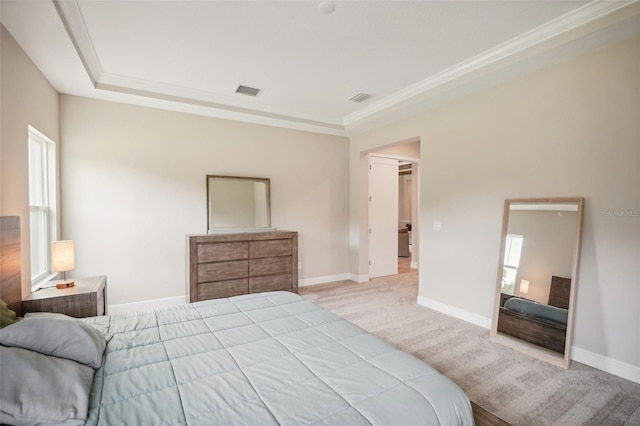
[{"x": 262, "y": 359}]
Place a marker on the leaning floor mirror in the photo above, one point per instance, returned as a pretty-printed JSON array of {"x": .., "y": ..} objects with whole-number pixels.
[{"x": 538, "y": 276}]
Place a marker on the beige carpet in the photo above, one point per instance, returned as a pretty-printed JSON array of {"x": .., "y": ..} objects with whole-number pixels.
[{"x": 515, "y": 387}]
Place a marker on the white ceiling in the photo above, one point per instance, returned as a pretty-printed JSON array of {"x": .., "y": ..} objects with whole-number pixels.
[{"x": 191, "y": 55}]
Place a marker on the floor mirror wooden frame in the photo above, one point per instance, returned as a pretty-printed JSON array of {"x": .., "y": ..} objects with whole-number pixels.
[{"x": 549, "y": 355}]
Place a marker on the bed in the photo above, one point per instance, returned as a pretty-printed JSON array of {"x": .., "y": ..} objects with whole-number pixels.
[
  {"x": 259, "y": 359},
  {"x": 542, "y": 325}
]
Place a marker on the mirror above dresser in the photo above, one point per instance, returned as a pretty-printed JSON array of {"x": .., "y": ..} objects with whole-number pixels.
[
  {"x": 537, "y": 276},
  {"x": 238, "y": 204}
]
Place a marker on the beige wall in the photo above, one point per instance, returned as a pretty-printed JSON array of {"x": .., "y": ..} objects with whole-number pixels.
[
  {"x": 407, "y": 150},
  {"x": 568, "y": 130},
  {"x": 27, "y": 98},
  {"x": 133, "y": 185}
]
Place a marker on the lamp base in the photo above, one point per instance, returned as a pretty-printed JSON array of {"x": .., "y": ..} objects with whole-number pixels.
[{"x": 65, "y": 284}]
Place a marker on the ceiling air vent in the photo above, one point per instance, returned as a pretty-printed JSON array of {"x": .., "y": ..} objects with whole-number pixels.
[
  {"x": 360, "y": 97},
  {"x": 249, "y": 91}
]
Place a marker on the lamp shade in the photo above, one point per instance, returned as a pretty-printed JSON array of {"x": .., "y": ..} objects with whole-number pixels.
[
  {"x": 63, "y": 255},
  {"x": 524, "y": 286}
]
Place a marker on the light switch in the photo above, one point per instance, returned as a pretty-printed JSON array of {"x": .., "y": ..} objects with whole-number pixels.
[{"x": 437, "y": 225}]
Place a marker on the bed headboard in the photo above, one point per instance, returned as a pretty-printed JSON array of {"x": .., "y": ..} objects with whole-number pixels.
[
  {"x": 10, "y": 263},
  {"x": 559, "y": 292}
]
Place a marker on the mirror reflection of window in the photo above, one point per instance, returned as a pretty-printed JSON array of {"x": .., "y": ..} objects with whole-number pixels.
[{"x": 512, "y": 251}]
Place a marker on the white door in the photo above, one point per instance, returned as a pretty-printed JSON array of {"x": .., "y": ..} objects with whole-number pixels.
[{"x": 383, "y": 216}]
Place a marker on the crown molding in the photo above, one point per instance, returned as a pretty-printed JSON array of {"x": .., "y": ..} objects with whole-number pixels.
[
  {"x": 588, "y": 13},
  {"x": 73, "y": 21},
  {"x": 221, "y": 105},
  {"x": 201, "y": 98},
  {"x": 71, "y": 16}
]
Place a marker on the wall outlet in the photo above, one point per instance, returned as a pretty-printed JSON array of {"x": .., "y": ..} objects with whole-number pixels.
[{"x": 437, "y": 225}]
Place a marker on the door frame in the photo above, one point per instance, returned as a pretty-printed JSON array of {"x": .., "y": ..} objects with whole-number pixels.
[{"x": 415, "y": 225}]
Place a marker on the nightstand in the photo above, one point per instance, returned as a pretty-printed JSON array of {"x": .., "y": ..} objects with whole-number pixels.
[{"x": 87, "y": 298}]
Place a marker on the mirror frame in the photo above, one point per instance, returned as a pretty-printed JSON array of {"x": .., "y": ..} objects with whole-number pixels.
[
  {"x": 266, "y": 181},
  {"x": 522, "y": 346}
]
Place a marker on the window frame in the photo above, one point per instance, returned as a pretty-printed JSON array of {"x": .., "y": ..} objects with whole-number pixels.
[{"x": 43, "y": 202}]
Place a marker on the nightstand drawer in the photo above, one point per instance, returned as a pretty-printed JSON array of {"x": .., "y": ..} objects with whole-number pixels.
[{"x": 87, "y": 298}]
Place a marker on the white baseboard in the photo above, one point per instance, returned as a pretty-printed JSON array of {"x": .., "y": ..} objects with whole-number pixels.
[
  {"x": 467, "y": 316},
  {"x": 604, "y": 363},
  {"x": 124, "y": 308},
  {"x": 359, "y": 278},
  {"x": 323, "y": 280},
  {"x": 414, "y": 265},
  {"x": 592, "y": 359}
]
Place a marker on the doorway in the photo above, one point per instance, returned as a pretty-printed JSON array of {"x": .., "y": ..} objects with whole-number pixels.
[
  {"x": 396, "y": 188},
  {"x": 405, "y": 216}
]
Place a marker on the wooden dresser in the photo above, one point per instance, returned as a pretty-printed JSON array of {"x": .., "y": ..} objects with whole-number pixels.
[{"x": 226, "y": 265}]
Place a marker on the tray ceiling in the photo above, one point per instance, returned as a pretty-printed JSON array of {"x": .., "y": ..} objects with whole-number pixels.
[{"x": 193, "y": 55}]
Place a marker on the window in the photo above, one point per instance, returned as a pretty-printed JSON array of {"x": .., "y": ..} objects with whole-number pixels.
[
  {"x": 512, "y": 251},
  {"x": 42, "y": 204}
]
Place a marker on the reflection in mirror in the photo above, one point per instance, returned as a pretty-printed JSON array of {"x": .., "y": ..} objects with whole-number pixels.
[
  {"x": 537, "y": 276},
  {"x": 238, "y": 204}
]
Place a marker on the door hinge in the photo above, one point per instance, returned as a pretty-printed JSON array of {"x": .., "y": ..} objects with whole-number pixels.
[
  {"x": 369, "y": 263},
  {"x": 369, "y": 230},
  {"x": 369, "y": 198},
  {"x": 369, "y": 166}
]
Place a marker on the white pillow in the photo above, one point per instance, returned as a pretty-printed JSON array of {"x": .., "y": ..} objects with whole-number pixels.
[
  {"x": 57, "y": 335},
  {"x": 41, "y": 389}
]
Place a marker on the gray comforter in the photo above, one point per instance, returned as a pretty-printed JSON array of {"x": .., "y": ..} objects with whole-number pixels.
[{"x": 262, "y": 359}]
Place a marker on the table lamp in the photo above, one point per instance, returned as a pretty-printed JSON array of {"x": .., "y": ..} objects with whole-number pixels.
[{"x": 63, "y": 255}]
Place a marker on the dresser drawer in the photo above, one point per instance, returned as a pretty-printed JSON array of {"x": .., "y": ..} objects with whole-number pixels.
[
  {"x": 273, "y": 248},
  {"x": 270, "y": 266},
  {"x": 223, "y": 271},
  {"x": 270, "y": 283},
  {"x": 217, "y": 252},
  {"x": 223, "y": 289}
]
